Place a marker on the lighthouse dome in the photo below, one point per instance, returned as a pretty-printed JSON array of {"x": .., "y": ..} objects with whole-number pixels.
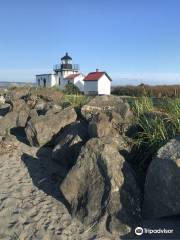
[{"x": 66, "y": 57}]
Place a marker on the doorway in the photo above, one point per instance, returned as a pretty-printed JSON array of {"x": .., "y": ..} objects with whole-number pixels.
[{"x": 44, "y": 81}]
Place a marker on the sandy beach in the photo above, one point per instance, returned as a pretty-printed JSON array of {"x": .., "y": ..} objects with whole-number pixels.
[{"x": 29, "y": 198}]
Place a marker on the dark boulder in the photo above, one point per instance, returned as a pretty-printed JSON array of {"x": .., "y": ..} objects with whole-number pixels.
[
  {"x": 22, "y": 118},
  {"x": 53, "y": 109},
  {"x": 99, "y": 126},
  {"x": 68, "y": 144},
  {"x": 101, "y": 185},
  {"x": 118, "y": 113},
  {"x": 7, "y": 122},
  {"x": 106, "y": 104},
  {"x": 40, "y": 130},
  {"x": 162, "y": 195}
]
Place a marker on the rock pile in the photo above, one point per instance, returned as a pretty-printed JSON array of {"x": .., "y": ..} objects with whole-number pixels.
[{"x": 98, "y": 182}]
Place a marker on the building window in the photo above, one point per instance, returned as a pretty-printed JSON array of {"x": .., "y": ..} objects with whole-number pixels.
[
  {"x": 59, "y": 81},
  {"x": 38, "y": 82},
  {"x": 44, "y": 81}
]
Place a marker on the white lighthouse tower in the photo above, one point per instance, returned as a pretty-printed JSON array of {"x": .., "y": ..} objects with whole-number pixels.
[
  {"x": 65, "y": 69},
  {"x": 64, "y": 73}
]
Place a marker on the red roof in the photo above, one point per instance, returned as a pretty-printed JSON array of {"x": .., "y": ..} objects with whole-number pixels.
[
  {"x": 95, "y": 76},
  {"x": 72, "y": 76}
]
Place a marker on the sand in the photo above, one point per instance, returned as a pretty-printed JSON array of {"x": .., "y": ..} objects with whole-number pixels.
[{"x": 30, "y": 204}]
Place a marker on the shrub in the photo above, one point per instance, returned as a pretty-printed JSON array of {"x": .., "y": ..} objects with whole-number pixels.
[
  {"x": 146, "y": 90},
  {"x": 70, "y": 88}
]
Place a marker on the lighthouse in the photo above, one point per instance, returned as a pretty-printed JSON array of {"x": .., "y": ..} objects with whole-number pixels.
[
  {"x": 65, "y": 68},
  {"x": 66, "y": 72}
]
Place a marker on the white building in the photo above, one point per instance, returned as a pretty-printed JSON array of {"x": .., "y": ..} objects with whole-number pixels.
[
  {"x": 77, "y": 79},
  {"x": 63, "y": 74},
  {"x": 97, "y": 83}
]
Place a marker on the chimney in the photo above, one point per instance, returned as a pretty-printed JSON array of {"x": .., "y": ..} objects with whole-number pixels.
[{"x": 97, "y": 70}]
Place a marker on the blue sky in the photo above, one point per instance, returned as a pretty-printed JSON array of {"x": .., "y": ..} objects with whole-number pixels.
[{"x": 133, "y": 40}]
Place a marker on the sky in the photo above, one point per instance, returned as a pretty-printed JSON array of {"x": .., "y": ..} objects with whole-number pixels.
[{"x": 134, "y": 41}]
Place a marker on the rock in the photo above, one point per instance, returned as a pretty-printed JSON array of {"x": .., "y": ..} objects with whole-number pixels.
[
  {"x": 53, "y": 109},
  {"x": 100, "y": 184},
  {"x": 69, "y": 143},
  {"x": 18, "y": 105},
  {"x": 4, "y": 109},
  {"x": 8, "y": 122},
  {"x": 118, "y": 112},
  {"x": 22, "y": 118},
  {"x": 33, "y": 114},
  {"x": 40, "y": 130},
  {"x": 48, "y": 94},
  {"x": 106, "y": 104},
  {"x": 120, "y": 125},
  {"x": 99, "y": 126},
  {"x": 21, "y": 108},
  {"x": 2, "y": 100},
  {"x": 16, "y": 93},
  {"x": 31, "y": 100},
  {"x": 46, "y": 108},
  {"x": 41, "y": 106},
  {"x": 1, "y": 139},
  {"x": 162, "y": 195}
]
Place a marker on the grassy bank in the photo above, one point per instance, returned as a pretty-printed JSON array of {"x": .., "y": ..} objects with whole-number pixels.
[{"x": 146, "y": 90}]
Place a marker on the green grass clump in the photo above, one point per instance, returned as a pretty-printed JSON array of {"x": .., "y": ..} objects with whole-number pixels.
[
  {"x": 142, "y": 105},
  {"x": 172, "y": 107},
  {"x": 154, "y": 131},
  {"x": 158, "y": 127},
  {"x": 77, "y": 100}
]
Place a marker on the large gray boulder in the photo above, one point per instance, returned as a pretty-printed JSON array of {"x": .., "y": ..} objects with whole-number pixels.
[
  {"x": 7, "y": 122},
  {"x": 100, "y": 126},
  {"x": 17, "y": 117},
  {"x": 47, "y": 95},
  {"x": 18, "y": 104},
  {"x": 162, "y": 195},
  {"x": 22, "y": 118},
  {"x": 53, "y": 109},
  {"x": 22, "y": 109},
  {"x": 40, "y": 130},
  {"x": 68, "y": 144},
  {"x": 101, "y": 186},
  {"x": 41, "y": 105},
  {"x": 106, "y": 104},
  {"x": 18, "y": 92},
  {"x": 33, "y": 114},
  {"x": 118, "y": 113}
]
